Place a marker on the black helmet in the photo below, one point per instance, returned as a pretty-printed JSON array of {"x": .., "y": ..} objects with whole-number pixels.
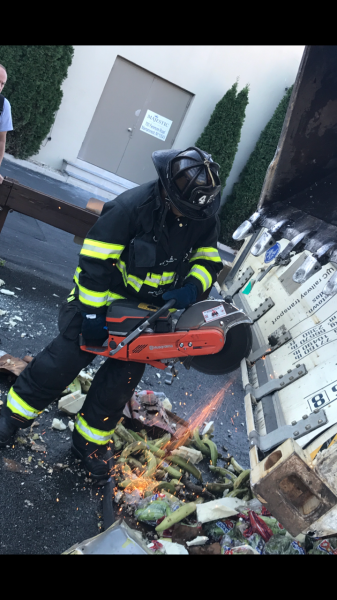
[{"x": 191, "y": 181}]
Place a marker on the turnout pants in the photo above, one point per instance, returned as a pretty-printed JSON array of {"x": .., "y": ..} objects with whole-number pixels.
[{"x": 53, "y": 369}]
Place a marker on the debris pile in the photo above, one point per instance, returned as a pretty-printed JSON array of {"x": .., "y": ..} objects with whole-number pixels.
[
  {"x": 183, "y": 502},
  {"x": 11, "y": 364},
  {"x": 117, "y": 539},
  {"x": 177, "y": 499},
  {"x": 169, "y": 483}
]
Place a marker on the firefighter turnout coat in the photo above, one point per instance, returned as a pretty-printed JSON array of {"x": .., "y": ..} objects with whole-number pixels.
[
  {"x": 132, "y": 252},
  {"x": 124, "y": 255}
]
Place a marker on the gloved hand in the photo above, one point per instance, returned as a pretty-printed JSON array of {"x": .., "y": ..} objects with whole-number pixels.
[
  {"x": 94, "y": 327},
  {"x": 184, "y": 296}
]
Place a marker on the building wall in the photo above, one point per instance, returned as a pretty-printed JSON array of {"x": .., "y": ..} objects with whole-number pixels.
[{"x": 206, "y": 71}]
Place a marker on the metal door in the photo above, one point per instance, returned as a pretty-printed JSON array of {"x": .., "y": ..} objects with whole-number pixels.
[{"x": 137, "y": 113}]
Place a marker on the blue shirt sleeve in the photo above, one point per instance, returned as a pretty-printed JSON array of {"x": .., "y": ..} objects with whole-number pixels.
[{"x": 6, "y": 123}]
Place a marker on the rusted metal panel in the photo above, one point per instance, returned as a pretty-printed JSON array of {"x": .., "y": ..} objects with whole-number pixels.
[
  {"x": 290, "y": 488},
  {"x": 303, "y": 171}
]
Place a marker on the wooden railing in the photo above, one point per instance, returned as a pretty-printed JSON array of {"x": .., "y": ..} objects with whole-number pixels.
[{"x": 55, "y": 212}]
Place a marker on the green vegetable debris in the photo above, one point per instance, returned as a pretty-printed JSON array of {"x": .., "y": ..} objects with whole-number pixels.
[{"x": 165, "y": 492}]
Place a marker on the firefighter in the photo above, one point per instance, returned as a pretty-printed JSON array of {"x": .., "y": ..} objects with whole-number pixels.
[{"x": 154, "y": 242}]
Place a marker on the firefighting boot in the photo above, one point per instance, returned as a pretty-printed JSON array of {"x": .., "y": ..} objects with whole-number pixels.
[
  {"x": 92, "y": 456},
  {"x": 7, "y": 429}
]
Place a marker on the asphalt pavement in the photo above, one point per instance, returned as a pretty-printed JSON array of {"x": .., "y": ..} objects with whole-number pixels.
[{"x": 46, "y": 502}]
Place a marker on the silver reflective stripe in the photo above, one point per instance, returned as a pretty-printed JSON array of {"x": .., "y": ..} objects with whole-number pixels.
[
  {"x": 89, "y": 434},
  {"x": 91, "y": 298},
  {"x": 121, "y": 266},
  {"x": 77, "y": 273},
  {"x": 203, "y": 275},
  {"x": 19, "y": 409},
  {"x": 110, "y": 249},
  {"x": 207, "y": 254},
  {"x": 153, "y": 280},
  {"x": 167, "y": 278},
  {"x": 132, "y": 280},
  {"x": 135, "y": 282},
  {"x": 112, "y": 297}
]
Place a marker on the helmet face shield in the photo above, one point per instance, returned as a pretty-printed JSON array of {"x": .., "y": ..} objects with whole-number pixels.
[{"x": 191, "y": 181}]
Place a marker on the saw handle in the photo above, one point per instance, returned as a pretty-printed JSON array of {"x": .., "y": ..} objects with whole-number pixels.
[
  {"x": 161, "y": 311},
  {"x": 134, "y": 334}
]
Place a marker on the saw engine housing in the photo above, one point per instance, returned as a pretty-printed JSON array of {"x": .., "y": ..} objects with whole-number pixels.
[{"x": 200, "y": 333}]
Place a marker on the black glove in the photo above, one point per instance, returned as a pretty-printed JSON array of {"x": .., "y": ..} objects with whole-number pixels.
[
  {"x": 184, "y": 296},
  {"x": 94, "y": 327}
]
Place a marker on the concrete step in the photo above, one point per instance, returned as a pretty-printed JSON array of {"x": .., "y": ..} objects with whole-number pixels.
[{"x": 108, "y": 183}]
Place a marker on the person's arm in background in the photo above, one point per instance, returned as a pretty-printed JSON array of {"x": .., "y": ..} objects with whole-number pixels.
[
  {"x": 2, "y": 149},
  {"x": 6, "y": 124}
]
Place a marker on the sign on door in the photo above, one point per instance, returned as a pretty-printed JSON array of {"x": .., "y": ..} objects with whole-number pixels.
[{"x": 156, "y": 125}]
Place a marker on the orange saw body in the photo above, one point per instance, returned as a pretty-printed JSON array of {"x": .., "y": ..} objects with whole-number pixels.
[{"x": 145, "y": 333}]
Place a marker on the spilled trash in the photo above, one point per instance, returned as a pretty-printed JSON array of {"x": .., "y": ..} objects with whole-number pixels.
[
  {"x": 117, "y": 539},
  {"x": 178, "y": 499},
  {"x": 11, "y": 364},
  {"x": 174, "y": 493}
]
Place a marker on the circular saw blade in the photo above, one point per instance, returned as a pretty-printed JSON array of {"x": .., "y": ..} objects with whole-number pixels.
[{"x": 237, "y": 346}]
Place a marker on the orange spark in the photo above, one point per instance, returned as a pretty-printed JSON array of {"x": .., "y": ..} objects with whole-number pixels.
[{"x": 203, "y": 414}]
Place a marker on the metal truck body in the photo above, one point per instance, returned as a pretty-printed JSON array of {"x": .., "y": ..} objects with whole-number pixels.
[{"x": 283, "y": 277}]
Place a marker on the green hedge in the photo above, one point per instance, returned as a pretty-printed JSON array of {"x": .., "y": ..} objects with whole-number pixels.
[
  {"x": 222, "y": 134},
  {"x": 33, "y": 88},
  {"x": 243, "y": 200}
]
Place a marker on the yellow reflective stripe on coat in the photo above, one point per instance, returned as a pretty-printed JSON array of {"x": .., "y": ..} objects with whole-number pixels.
[
  {"x": 135, "y": 282},
  {"x": 92, "y": 298},
  {"x": 71, "y": 296},
  {"x": 152, "y": 279},
  {"x": 208, "y": 253},
  {"x": 167, "y": 277},
  {"x": 132, "y": 280},
  {"x": 76, "y": 275},
  {"x": 97, "y": 436},
  {"x": 121, "y": 266},
  {"x": 20, "y": 407},
  {"x": 203, "y": 275},
  {"x": 102, "y": 250},
  {"x": 112, "y": 297}
]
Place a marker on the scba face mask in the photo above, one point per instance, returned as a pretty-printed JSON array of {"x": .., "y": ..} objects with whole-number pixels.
[{"x": 191, "y": 181}]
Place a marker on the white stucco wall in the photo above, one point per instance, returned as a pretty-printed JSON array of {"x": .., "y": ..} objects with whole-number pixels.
[{"x": 206, "y": 71}]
